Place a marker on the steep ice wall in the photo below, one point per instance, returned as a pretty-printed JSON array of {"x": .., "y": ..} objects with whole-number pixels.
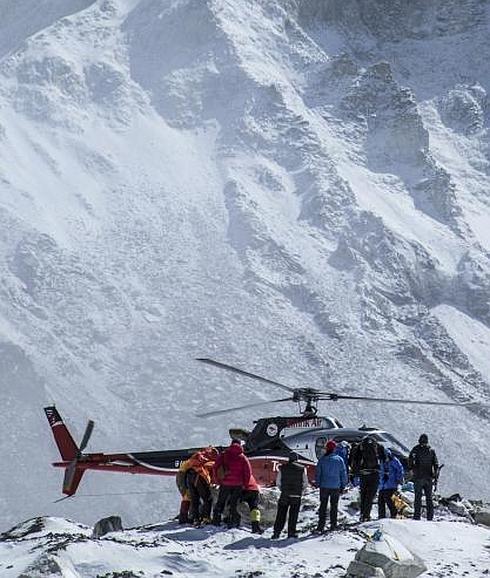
[{"x": 297, "y": 187}]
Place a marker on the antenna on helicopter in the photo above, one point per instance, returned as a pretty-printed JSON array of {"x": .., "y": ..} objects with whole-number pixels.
[{"x": 309, "y": 395}]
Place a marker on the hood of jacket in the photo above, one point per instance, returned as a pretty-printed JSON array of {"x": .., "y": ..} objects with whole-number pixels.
[{"x": 234, "y": 450}]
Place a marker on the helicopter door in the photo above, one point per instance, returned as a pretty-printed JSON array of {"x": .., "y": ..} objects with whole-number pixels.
[
  {"x": 303, "y": 445},
  {"x": 320, "y": 446}
]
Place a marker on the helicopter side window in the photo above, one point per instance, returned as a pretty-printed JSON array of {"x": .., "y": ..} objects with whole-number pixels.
[{"x": 320, "y": 446}]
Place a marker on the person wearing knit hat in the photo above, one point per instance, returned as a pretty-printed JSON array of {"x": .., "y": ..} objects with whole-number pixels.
[
  {"x": 331, "y": 478},
  {"x": 424, "y": 465}
]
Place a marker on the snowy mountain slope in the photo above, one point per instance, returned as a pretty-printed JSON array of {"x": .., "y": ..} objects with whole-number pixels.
[{"x": 300, "y": 188}]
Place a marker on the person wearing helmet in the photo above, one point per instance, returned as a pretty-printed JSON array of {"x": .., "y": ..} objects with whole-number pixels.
[
  {"x": 391, "y": 474},
  {"x": 366, "y": 462},
  {"x": 292, "y": 480},
  {"x": 424, "y": 465},
  {"x": 331, "y": 478},
  {"x": 232, "y": 471}
]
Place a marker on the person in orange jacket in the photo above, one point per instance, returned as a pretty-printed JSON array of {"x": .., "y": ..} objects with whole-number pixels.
[
  {"x": 251, "y": 495},
  {"x": 185, "y": 502},
  {"x": 198, "y": 479}
]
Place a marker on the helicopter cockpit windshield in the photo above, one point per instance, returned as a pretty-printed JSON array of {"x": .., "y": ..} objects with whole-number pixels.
[
  {"x": 355, "y": 436},
  {"x": 384, "y": 437}
]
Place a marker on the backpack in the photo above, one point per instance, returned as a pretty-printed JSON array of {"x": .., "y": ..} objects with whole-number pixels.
[
  {"x": 221, "y": 471},
  {"x": 369, "y": 453}
]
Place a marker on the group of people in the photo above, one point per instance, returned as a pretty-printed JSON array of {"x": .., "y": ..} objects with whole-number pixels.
[
  {"x": 231, "y": 471},
  {"x": 367, "y": 464}
]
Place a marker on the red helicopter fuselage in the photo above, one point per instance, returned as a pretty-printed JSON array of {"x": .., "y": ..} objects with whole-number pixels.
[{"x": 265, "y": 457}]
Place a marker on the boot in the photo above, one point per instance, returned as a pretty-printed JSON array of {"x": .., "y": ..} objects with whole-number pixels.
[
  {"x": 184, "y": 512},
  {"x": 216, "y": 521},
  {"x": 256, "y": 529}
]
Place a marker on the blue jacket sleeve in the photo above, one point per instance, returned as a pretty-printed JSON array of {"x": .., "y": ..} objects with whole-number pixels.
[
  {"x": 343, "y": 475},
  {"x": 400, "y": 473},
  {"x": 318, "y": 473}
]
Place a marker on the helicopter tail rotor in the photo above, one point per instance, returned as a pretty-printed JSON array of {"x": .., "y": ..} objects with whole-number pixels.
[{"x": 73, "y": 474}]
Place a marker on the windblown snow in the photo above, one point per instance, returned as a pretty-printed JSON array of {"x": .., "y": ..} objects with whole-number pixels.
[{"x": 297, "y": 187}]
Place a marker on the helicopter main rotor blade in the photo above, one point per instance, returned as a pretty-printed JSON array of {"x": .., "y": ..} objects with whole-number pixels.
[
  {"x": 230, "y": 409},
  {"x": 335, "y": 397},
  {"x": 246, "y": 373}
]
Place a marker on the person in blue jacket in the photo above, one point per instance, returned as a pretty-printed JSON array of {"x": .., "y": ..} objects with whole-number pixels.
[
  {"x": 343, "y": 450},
  {"x": 331, "y": 478},
  {"x": 391, "y": 474}
]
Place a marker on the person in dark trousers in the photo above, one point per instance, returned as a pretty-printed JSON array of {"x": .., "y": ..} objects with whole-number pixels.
[
  {"x": 331, "y": 478},
  {"x": 391, "y": 473},
  {"x": 292, "y": 480},
  {"x": 368, "y": 455},
  {"x": 251, "y": 496},
  {"x": 423, "y": 463},
  {"x": 232, "y": 472}
]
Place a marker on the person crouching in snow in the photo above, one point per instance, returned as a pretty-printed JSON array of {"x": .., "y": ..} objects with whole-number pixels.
[
  {"x": 232, "y": 472},
  {"x": 331, "y": 478},
  {"x": 251, "y": 495},
  {"x": 292, "y": 480},
  {"x": 391, "y": 473},
  {"x": 198, "y": 481}
]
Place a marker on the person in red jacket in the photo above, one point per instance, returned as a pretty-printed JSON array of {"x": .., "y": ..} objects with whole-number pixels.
[
  {"x": 232, "y": 472},
  {"x": 251, "y": 495}
]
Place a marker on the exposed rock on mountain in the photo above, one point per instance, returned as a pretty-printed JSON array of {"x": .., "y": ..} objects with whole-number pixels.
[{"x": 299, "y": 187}]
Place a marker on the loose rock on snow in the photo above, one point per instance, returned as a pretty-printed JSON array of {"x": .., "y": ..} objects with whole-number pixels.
[{"x": 385, "y": 557}]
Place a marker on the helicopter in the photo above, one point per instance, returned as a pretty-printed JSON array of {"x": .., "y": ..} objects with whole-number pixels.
[{"x": 267, "y": 445}]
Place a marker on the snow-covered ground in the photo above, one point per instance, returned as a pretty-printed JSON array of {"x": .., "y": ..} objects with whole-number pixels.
[
  {"x": 298, "y": 187},
  {"x": 49, "y": 547}
]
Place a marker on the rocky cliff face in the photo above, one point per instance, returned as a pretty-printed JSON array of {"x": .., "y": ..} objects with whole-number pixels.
[{"x": 300, "y": 188}]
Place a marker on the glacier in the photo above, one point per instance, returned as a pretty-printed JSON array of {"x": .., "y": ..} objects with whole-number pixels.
[{"x": 297, "y": 187}]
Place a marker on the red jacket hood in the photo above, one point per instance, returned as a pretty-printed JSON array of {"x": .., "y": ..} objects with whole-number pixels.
[{"x": 235, "y": 450}]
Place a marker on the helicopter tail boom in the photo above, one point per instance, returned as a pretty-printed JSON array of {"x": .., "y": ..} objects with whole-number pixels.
[{"x": 66, "y": 445}]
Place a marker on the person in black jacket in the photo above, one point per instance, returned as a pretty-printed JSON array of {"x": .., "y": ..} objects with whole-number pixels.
[
  {"x": 292, "y": 480},
  {"x": 366, "y": 460},
  {"x": 423, "y": 463}
]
